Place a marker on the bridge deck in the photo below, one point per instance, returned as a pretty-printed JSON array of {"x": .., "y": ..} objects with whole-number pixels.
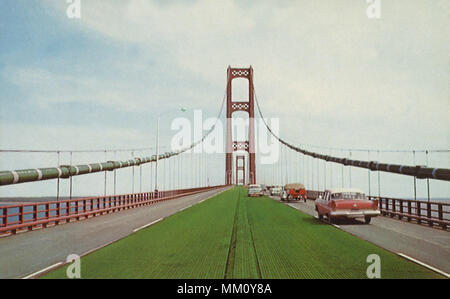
[
  {"x": 234, "y": 236},
  {"x": 26, "y": 253}
]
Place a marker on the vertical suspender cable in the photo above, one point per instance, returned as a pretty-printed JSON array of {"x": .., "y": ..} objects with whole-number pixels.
[
  {"x": 115, "y": 158},
  {"x": 310, "y": 173},
  {"x": 379, "y": 179},
  {"x": 350, "y": 171},
  {"x": 140, "y": 179},
  {"x": 368, "y": 171},
  {"x": 57, "y": 184},
  {"x": 428, "y": 180},
  {"x": 106, "y": 159},
  {"x": 415, "y": 187},
  {"x": 70, "y": 180},
  {"x": 151, "y": 174},
  {"x": 318, "y": 176},
  {"x": 132, "y": 170}
]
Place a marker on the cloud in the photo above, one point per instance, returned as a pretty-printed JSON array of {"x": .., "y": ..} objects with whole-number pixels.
[
  {"x": 45, "y": 88},
  {"x": 62, "y": 137},
  {"x": 316, "y": 54}
]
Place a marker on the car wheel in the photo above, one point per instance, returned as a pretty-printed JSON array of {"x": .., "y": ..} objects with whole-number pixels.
[
  {"x": 367, "y": 219},
  {"x": 330, "y": 219}
]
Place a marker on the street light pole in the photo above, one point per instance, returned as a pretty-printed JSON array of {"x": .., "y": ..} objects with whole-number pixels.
[
  {"x": 157, "y": 148},
  {"x": 157, "y": 156}
]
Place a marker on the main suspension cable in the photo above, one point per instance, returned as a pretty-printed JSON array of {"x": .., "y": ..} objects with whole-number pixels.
[{"x": 416, "y": 171}]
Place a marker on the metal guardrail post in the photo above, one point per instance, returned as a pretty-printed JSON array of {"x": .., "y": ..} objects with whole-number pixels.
[
  {"x": 47, "y": 213},
  {"x": 441, "y": 216},
  {"x": 400, "y": 216},
  {"x": 430, "y": 221},
  {"x": 409, "y": 210},
  {"x": 21, "y": 214},
  {"x": 419, "y": 212},
  {"x": 393, "y": 208}
]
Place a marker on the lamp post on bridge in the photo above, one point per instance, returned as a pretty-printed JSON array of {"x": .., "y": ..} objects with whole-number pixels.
[{"x": 157, "y": 146}]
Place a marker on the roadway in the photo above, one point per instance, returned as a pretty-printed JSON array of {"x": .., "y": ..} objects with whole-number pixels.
[
  {"x": 425, "y": 244},
  {"x": 26, "y": 253}
]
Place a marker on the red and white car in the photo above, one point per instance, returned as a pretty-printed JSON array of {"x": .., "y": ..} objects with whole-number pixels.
[{"x": 346, "y": 203}]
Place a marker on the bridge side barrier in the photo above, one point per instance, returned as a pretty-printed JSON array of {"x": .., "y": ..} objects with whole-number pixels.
[
  {"x": 432, "y": 213},
  {"x": 14, "y": 218}
]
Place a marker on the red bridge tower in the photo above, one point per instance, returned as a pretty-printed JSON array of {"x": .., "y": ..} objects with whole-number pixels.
[{"x": 248, "y": 107}]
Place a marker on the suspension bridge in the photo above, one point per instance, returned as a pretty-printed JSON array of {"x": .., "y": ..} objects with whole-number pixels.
[{"x": 177, "y": 197}]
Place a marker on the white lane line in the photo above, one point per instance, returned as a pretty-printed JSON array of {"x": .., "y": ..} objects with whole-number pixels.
[
  {"x": 423, "y": 264},
  {"x": 99, "y": 247},
  {"x": 147, "y": 225},
  {"x": 43, "y": 270},
  {"x": 184, "y": 208}
]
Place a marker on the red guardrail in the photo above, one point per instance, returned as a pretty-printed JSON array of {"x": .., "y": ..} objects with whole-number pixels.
[
  {"x": 432, "y": 213},
  {"x": 14, "y": 218}
]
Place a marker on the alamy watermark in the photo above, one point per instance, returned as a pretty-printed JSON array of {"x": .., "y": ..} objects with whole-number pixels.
[
  {"x": 374, "y": 269},
  {"x": 74, "y": 9},
  {"x": 266, "y": 146},
  {"x": 74, "y": 269},
  {"x": 374, "y": 9}
]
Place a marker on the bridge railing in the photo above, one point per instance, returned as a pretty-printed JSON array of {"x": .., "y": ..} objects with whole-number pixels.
[
  {"x": 27, "y": 216},
  {"x": 432, "y": 213}
]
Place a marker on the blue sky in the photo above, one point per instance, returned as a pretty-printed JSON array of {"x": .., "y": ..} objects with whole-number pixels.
[{"x": 333, "y": 76}]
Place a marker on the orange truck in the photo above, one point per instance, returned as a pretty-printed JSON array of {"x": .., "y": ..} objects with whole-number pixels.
[{"x": 295, "y": 191}]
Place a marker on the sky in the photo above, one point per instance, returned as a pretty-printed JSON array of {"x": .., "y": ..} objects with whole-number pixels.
[{"x": 333, "y": 76}]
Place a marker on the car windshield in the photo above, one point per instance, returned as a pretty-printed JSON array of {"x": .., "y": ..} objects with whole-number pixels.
[{"x": 348, "y": 195}]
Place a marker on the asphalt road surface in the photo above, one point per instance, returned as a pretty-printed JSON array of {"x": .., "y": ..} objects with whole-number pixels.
[
  {"x": 425, "y": 244},
  {"x": 26, "y": 253}
]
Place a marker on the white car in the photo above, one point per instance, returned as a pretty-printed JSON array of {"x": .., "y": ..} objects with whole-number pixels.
[
  {"x": 276, "y": 191},
  {"x": 255, "y": 190}
]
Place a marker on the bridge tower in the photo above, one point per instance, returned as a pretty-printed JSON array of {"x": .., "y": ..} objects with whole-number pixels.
[
  {"x": 240, "y": 105},
  {"x": 239, "y": 167}
]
